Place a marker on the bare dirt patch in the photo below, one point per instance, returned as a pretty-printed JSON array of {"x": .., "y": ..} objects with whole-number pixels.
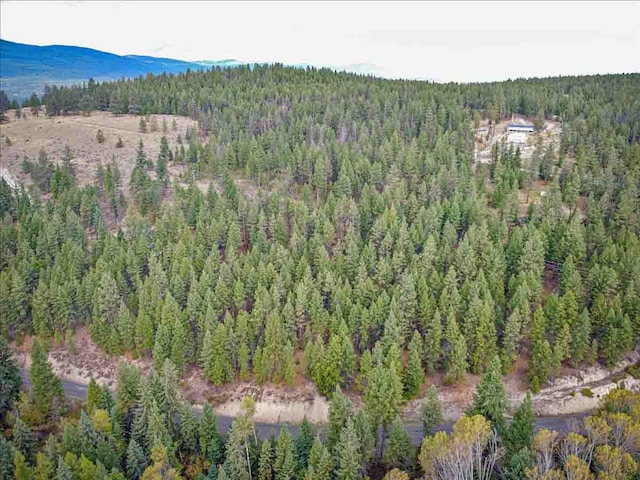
[
  {"x": 82, "y": 361},
  {"x": 562, "y": 396},
  {"x": 285, "y": 404},
  {"x": 488, "y": 136},
  {"x": 274, "y": 403},
  {"x": 455, "y": 399},
  {"x": 28, "y": 135}
]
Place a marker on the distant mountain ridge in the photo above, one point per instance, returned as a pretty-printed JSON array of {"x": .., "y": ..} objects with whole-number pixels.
[{"x": 25, "y": 69}]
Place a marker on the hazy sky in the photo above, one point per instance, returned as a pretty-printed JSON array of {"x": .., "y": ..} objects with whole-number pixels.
[{"x": 463, "y": 41}]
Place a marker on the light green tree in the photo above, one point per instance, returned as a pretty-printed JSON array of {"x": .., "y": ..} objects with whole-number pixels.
[{"x": 431, "y": 414}]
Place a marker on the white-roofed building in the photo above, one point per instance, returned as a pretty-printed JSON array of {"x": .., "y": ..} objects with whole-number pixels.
[{"x": 521, "y": 127}]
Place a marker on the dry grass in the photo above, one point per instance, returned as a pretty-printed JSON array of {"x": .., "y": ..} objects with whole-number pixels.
[{"x": 31, "y": 134}]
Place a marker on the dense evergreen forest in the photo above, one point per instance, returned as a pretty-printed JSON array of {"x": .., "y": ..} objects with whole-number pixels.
[{"x": 382, "y": 253}]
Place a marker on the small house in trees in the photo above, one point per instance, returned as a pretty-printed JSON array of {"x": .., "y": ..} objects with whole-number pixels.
[{"x": 521, "y": 127}]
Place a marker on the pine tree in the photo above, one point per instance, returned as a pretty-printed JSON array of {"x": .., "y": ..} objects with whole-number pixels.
[
  {"x": 47, "y": 388},
  {"x": 106, "y": 300},
  {"x": 349, "y": 463},
  {"x": 63, "y": 472},
  {"x": 511, "y": 338},
  {"x": 431, "y": 414},
  {"x": 161, "y": 467},
  {"x": 188, "y": 429},
  {"x": 517, "y": 466},
  {"x": 265, "y": 463},
  {"x": 181, "y": 347},
  {"x": 485, "y": 341},
  {"x": 214, "y": 357},
  {"x": 211, "y": 444},
  {"x": 340, "y": 409},
  {"x": 94, "y": 396},
  {"x": 570, "y": 280},
  {"x": 519, "y": 433},
  {"x": 163, "y": 341},
  {"x": 457, "y": 355},
  {"x": 88, "y": 469},
  {"x": 23, "y": 439},
  {"x": 284, "y": 467},
  {"x": 541, "y": 354},
  {"x": 383, "y": 398},
  {"x": 21, "y": 468},
  {"x": 413, "y": 374},
  {"x": 45, "y": 468},
  {"x": 490, "y": 398},
  {"x": 288, "y": 370},
  {"x": 238, "y": 458},
  {"x": 136, "y": 461},
  {"x": 399, "y": 452},
  {"x": 626, "y": 333},
  {"x": 366, "y": 437},
  {"x": 10, "y": 380},
  {"x": 6, "y": 460},
  {"x": 163, "y": 159},
  {"x": 139, "y": 427},
  {"x": 158, "y": 432},
  {"x": 128, "y": 389},
  {"x": 561, "y": 347},
  {"x": 144, "y": 330},
  {"x": 89, "y": 436},
  {"x": 302, "y": 445},
  {"x": 320, "y": 462},
  {"x": 592, "y": 353},
  {"x": 126, "y": 327},
  {"x": 433, "y": 342},
  {"x": 611, "y": 344}
]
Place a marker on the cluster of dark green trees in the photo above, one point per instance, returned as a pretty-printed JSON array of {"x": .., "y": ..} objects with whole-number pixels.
[
  {"x": 33, "y": 102},
  {"x": 377, "y": 251},
  {"x": 382, "y": 237},
  {"x": 146, "y": 431}
]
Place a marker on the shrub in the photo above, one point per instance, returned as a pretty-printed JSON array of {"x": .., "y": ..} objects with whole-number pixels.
[
  {"x": 633, "y": 370},
  {"x": 587, "y": 392}
]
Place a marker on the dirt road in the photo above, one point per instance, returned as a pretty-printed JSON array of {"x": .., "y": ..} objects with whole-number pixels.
[{"x": 559, "y": 423}]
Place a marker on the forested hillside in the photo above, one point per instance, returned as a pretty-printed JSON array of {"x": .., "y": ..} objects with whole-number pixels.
[
  {"x": 26, "y": 68},
  {"x": 382, "y": 252}
]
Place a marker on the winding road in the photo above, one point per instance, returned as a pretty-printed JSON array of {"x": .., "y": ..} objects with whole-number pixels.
[{"x": 560, "y": 423}]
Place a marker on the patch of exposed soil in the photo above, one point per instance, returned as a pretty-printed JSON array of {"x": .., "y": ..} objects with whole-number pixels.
[
  {"x": 283, "y": 404},
  {"x": 28, "y": 135},
  {"x": 82, "y": 359},
  {"x": 564, "y": 395},
  {"x": 560, "y": 397},
  {"x": 274, "y": 403}
]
